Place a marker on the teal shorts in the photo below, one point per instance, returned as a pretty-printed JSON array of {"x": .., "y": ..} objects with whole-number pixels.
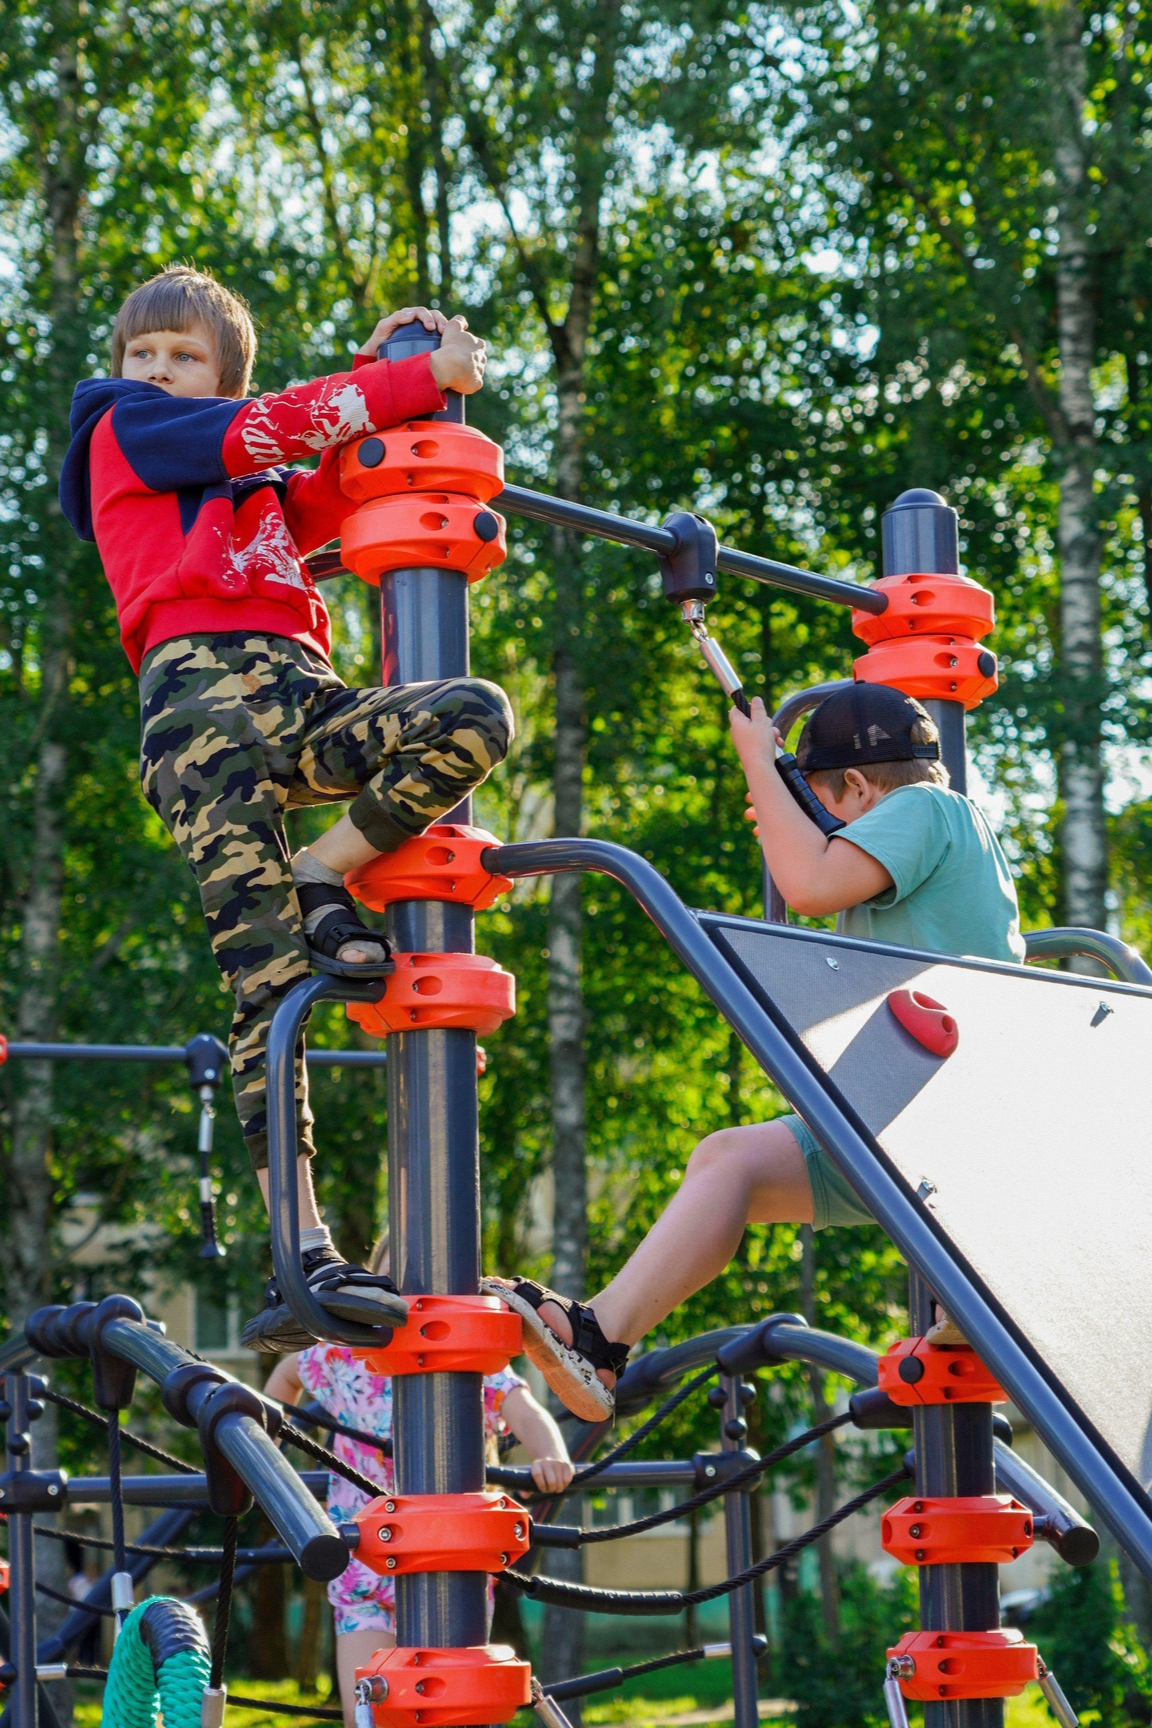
[{"x": 834, "y": 1200}]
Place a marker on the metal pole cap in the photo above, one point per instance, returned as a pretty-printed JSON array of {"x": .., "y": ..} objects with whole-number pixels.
[{"x": 919, "y": 535}]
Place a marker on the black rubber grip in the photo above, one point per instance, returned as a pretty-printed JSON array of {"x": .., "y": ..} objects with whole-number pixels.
[
  {"x": 789, "y": 772},
  {"x": 741, "y": 702}
]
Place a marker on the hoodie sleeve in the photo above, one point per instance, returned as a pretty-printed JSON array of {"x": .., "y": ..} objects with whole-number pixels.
[
  {"x": 311, "y": 418},
  {"x": 314, "y": 505}
]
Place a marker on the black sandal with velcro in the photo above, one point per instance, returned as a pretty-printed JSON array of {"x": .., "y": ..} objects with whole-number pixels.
[
  {"x": 569, "y": 1369},
  {"x": 338, "y": 926}
]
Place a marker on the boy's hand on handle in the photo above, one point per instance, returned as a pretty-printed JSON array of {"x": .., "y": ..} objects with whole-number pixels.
[
  {"x": 754, "y": 736},
  {"x": 459, "y": 362},
  {"x": 552, "y": 1475},
  {"x": 392, "y": 322}
]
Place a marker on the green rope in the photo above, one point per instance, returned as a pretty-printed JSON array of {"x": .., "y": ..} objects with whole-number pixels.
[{"x": 135, "y": 1696}]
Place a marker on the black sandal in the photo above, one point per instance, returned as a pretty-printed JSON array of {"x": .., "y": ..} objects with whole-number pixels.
[
  {"x": 349, "y": 1292},
  {"x": 338, "y": 926},
  {"x": 569, "y": 1369}
]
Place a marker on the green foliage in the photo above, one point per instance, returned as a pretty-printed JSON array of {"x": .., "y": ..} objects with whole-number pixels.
[
  {"x": 1085, "y": 1635},
  {"x": 840, "y": 1685}
]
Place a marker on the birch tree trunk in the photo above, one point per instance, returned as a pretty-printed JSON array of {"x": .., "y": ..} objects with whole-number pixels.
[
  {"x": 28, "y": 1264},
  {"x": 1084, "y": 833}
]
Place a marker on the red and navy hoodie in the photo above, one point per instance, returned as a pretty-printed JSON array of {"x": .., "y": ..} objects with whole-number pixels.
[{"x": 200, "y": 530}]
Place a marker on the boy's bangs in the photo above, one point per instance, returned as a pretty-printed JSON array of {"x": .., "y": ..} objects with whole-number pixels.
[
  {"x": 165, "y": 304},
  {"x": 178, "y": 299}
]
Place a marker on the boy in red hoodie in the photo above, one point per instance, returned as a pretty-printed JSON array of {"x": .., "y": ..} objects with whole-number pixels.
[{"x": 175, "y": 473}]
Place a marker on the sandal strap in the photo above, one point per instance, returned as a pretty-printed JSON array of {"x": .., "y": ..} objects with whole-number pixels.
[
  {"x": 338, "y": 924},
  {"x": 587, "y": 1335}
]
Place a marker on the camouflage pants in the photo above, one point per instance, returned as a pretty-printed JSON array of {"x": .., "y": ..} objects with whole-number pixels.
[{"x": 239, "y": 728}]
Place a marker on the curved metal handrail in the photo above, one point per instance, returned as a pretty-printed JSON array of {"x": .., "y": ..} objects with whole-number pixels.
[
  {"x": 283, "y": 1150},
  {"x": 1063, "y": 944}
]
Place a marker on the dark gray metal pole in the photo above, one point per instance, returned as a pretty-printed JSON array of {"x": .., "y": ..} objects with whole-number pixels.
[
  {"x": 433, "y": 1136},
  {"x": 955, "y": 1455},
  {"x": 21, "y": 1604},
  {"x": 738, "y": 1554},
  {"x": 920, "y": 533}
]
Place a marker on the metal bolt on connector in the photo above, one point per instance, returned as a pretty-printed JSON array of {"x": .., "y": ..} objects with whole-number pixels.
[
  {"x": 390, "y": 1563},
  {"x": 385, "y": 1533},
  {"x": 389, "y": 1505},
  {"x": 518, "y": 1532},
  {"x": 503, "y": 1559}
]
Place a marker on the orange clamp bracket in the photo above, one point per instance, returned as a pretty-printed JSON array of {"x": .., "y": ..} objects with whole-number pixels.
[
  {"x": 449, "y": 1334},
  {"x": 933, "y": 1665},
  {"x": 422, "y": 456},
  {"x": 978, "y": 1528},
  {"x": 410, "y": 1688},
  {"x": 927, "y": 641},
  {"x": 916, "y": 1372},
  {"x": 426, "y": 991},
  {"x": 440, "y": 529},
  {"x": 443, "y": 863},
  {"x": 441, "y": 1533}
]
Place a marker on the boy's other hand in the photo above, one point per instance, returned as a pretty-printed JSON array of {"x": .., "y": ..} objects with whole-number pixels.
[
  {"x": 750, "y": 814},
  {"x": 459, "y": 362},
  {"x": 393, "y": 321},
  {"x": 552, "y": 1475}
]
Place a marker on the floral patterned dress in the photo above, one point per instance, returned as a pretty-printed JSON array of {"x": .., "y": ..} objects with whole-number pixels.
[{"x": 338, "y": 1380}]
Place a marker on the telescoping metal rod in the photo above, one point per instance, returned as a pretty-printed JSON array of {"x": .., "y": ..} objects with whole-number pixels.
[{"x": 541, "y": 507}]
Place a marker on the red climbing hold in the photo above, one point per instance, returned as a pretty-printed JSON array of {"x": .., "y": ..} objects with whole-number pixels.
[{"x": 926, "y": 1020}]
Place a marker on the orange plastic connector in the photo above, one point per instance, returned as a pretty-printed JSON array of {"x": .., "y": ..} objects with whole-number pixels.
[
  {"x": 442, "y": 1688},
  {"x": 3, "y": 1049},
  {"x": 441, "y": 1533},
  {"x": 4, "y": 1576},
  {"x": 964, "y": 1664},
  {"x": 916, "y": 1372},
  {"x": 449, "y": 1334},
  {"x": 422, "y": 456},
  {"x": 980, "y": 1528},
  {"x": 927, "y": 642},
  {"x": 934, "y": 667},
  {"x": 427, "y": 991},
  {"x": 442, "y": 529},
  {"x": 443, "y": 863}
]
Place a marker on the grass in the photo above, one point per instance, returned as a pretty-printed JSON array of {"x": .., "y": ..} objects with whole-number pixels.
[
  {"x": 284, "y": 1691},
  {"x": 652, "y": 1698}
]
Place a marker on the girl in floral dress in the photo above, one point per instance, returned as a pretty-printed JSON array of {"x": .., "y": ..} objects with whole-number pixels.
[{"x": 363, "y": 1601}]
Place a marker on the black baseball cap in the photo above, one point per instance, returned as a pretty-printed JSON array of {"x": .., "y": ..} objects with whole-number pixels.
[{"x": 868, "y": 723}]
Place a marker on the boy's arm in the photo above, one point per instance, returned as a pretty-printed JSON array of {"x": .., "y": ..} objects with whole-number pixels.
[
  {"x": 311, "y": 418},
  {"x": 816, "y": 874}
]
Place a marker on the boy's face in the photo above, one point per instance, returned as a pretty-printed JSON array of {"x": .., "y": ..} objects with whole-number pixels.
[
  {"x": 860, "y": 795},
  {"x": 182, "y": 362}
]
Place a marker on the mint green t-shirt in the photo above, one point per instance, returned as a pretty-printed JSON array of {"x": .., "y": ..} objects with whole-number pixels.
[{"x": 952, "y": 890}]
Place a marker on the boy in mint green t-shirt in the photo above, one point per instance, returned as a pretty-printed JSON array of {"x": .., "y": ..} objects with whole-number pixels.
[{"x": 916, "y": 865}]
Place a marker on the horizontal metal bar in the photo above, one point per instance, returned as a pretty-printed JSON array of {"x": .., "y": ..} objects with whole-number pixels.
[
  {"x": 1114, "y": 1494},
  {"x": 631, "y": 1473},
  {"x": 175, "y": 1053},
  {"x": 1123, "y": 962},
  {"x": 541, "y": 507},
  {"x": 167, "y": 1490}
]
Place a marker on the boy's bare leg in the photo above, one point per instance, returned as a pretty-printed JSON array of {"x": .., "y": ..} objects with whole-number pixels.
[
  {"x": 340, "y": 849},
  {"x": 739, "y": 1176},
  {"x": 310, "y": 1218}
]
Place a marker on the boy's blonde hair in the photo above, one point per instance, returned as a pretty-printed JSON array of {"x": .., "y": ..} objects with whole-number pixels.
[{"x": 176, "y": 300}]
